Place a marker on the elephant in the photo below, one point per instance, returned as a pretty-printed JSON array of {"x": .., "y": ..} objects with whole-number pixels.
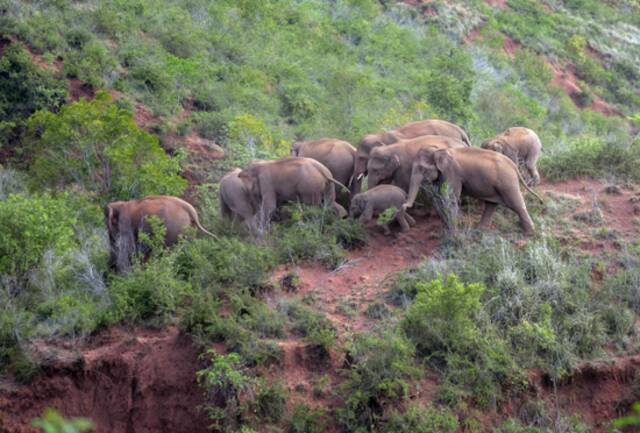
[
  {"x": 520, "y": 145},
  {"x": 234, "y": 199},
  {"x": 337, "y": 155},
  {"x": 125, "y": 219},
  {"x": 366, "y": 205},
  {"x": 273, "y": 183},
  {"x": 393, "y": 163},
  {"x": 408, "y": 131},
  {"x": 486, "y": 175}
]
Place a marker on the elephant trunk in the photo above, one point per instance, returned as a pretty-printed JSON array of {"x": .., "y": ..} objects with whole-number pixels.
[
  {"x": 373, "y": 180},
  {"x": 360, "y": 167},
  {"x": 414, "y": 187}
]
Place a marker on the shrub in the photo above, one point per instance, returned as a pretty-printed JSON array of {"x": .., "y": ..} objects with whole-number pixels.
[
  {"x": 226, "y": 261},
  {"x": 99, "y": 146},
  {"x": 591, "y": 156},
  {"x": 419, "y": 419},
  {"x": 53, "y": 422},
  {"x": 32, "y": 225},
  {"x": 316, "y": 233},
  {"x": 310, "y": 324},
  {"x": 227, "y": 378},
  {"x": 270, "y": 402},
  {"x": 441, "y": 318},
  {"x": 150, "y": 292},
  {"x": 90, "y": 63},
  {"x": 378, "y": 375},
  {"x": 24, "y": 89},
  {"x": 305, "y": 419}
]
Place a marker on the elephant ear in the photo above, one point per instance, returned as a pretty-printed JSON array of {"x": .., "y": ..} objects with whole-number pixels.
[
  {"x": 394, "y": 161},
  {"x": 388, "y": 138},
  {"x": 111, "y": 214},
  {"x": 444, "y": 161}
]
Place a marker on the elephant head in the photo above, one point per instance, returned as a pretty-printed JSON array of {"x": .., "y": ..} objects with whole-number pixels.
[
  {"x": 357, "y": 206},
  {"x": 367, "y": 144},
  {"x": 121, "y": 235},
  {"x": 250, "y": 178},
  {"x": 495, "y": 144},
  {"x": 381, "y": 167},
  {"x": 431, "y": 164}
]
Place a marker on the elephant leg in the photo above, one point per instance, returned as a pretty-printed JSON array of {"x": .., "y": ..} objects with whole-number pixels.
[
  {"x": 387, "y": 230},
  {"x": 401, "y": 217},
  {"x": 367, "y": 214},
  {"x": 489, "y": 210},
  {"x": 341, "y": 211},
  {"x": 533, "y": 171},
  {"x": 515, "y": 202},
  {"x": 409, "y": 218}
]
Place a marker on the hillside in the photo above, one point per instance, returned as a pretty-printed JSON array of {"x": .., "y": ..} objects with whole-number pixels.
[{"x": 317, "y": 324}]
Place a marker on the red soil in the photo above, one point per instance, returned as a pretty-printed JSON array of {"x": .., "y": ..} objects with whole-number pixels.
[
  {"x": 500, "y": 4},
  {"x": 363, "y": 278},
  {"x": 565, "y": 78},
  {"x": 125, "y": 382},
  {"x": 598, "y": 392},
  {"x": 510, "y": 46},
  {"x": 79, "y": 89},
  {"x": 619, "y": 210}
]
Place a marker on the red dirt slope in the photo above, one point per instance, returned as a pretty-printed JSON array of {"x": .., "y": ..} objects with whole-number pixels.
[{"x": 142, "y": 382}]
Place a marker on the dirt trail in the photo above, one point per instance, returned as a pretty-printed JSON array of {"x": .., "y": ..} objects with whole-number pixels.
[{"x": 343, "y": 294}]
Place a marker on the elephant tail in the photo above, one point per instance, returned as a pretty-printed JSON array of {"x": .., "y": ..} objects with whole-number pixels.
[
  {"x": 340, "y": 184},
  {"x": 465, "y": 137},
  {"x": 527, "y": 186},
  {"x": 196, "y": 221}
]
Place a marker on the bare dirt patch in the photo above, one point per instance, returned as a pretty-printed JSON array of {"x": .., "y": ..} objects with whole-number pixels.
[
  {"x": 79, "y": 89},
  {"x": 126, "y": 382},
  {"x": 500, "y": 4},
  {"x": 344, "y": 293}
]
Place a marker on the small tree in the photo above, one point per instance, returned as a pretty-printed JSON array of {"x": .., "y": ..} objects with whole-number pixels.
[
  {"x": 98, "y": 145},
  {"x": 53, "y": 422}
]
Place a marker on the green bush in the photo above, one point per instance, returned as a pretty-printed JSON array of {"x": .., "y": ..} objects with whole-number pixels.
[
  {"x": 305, "y": 419},
  {"x": 442, "y": 317},
  {"x": 226, "y": 261},
  {"x": 316, "y": 233},
  {"x": 151, "y": 292},
  {"x": 309, "y": 324},
  {"x": 419, "y": 419},
  {"x": 24, "y": 89},
  {"x": 53, "y": 422},
  {"x": 99, "y": 146},
  {"x": 590, "y": 156},
  {"x": 31, "y": 225},
  {"x": 379, "y": 371}
]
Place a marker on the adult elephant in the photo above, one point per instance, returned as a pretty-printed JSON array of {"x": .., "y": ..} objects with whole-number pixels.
[
  {"x": 521, "y": 145},
  {"x": 393, "y": 163},
  {"x": 273, "y": 183},
  {"x": 483, "y": 174},
  {"x": 405, "y": 132},
  {"x": 337, "y": 155},
  {"x": 234, "y": 198},
  {"x": 125, "y": 220}
]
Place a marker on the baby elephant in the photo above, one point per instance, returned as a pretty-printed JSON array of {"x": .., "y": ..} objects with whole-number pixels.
[
  {"x": 521, "y": 145},
  {"x": 373, "y": 202}
]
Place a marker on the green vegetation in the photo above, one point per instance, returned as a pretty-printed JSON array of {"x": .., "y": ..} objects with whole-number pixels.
[
  {"x": 255, "y": 76},
  {"x": 24, "y": 89},
  {"x": 97, "y": 145},
  {"x": 53, "y": 422}
]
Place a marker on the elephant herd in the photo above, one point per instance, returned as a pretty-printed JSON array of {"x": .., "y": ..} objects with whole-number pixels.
[{"x": 330, "y": 172}]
